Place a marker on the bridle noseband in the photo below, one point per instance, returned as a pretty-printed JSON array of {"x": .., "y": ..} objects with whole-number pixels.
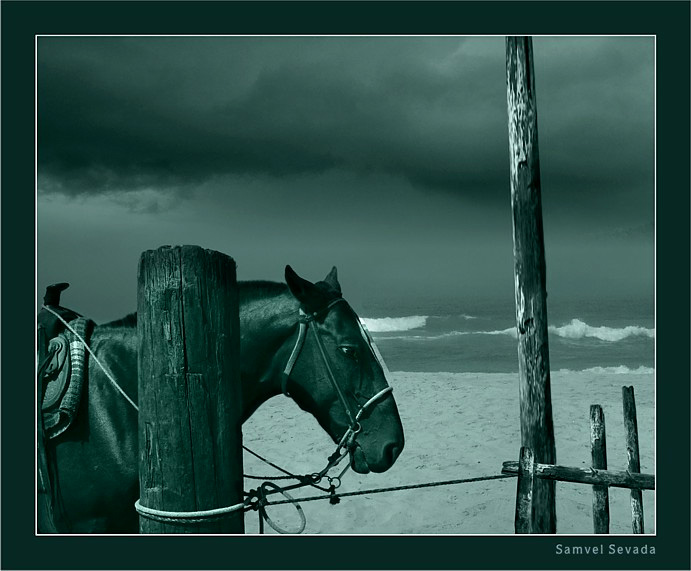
[{"x": 304, "y": 320}]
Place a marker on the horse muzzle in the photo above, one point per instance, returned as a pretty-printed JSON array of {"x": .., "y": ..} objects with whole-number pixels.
[{"x": 363, "y": 463}]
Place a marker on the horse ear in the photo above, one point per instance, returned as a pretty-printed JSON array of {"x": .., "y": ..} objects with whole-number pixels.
[
  {"x": 332, "y": 280},
  {"x": 299, "y": 287}
]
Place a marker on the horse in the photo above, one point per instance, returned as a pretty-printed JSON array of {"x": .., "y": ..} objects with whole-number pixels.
[{"x": 95, "y": 462}]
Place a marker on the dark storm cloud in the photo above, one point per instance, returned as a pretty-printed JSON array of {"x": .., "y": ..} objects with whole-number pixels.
[{"x": 124, "y": 114}]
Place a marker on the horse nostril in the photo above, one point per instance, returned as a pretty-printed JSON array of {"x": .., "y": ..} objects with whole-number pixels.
[{"x": 391, "y": 452}]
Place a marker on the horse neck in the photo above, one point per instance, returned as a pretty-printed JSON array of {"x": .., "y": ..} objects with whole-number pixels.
[{"x": 268, "y": 324}]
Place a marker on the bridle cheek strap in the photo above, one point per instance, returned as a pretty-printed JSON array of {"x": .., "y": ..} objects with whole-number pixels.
[
  {"x": 302, "y": 333},
  {"x": 332, "y": 377},
  {"x": 304, "y": 320}
]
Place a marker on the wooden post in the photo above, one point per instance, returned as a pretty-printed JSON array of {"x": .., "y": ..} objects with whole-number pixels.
[
  {"x": 190, "y": 439},
  {"x": 634, "y": 461},
  {"x": 524, "y": 491},
  {"x": 537, "y": 430},
  {"x": 598, "y": 452}
]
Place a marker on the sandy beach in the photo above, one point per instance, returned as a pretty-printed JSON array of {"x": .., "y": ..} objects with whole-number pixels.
[{"x": 458, "y": 425}]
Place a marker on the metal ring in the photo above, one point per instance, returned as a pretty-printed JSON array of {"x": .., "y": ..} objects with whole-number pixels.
[
  {"x": 335, "y": 479},
  {"x": 267, "y": 519}
]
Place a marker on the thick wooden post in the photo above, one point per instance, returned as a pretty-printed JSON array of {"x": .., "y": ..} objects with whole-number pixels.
[
  {"x": 190, "y": 439},
  {"x": 537, "y": 430},
  {"x": 598, "y": 453},
  {"x": 632, "y": 454}
]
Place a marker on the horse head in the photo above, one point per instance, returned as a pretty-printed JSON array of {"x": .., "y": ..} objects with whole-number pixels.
[{"x": 335, "y": 374}]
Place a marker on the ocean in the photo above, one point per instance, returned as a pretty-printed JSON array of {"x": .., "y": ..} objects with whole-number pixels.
[{"x": 614, "y": 336}]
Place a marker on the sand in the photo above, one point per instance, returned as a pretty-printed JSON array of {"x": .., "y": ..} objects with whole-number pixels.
[{"x": 457, "y": 426}]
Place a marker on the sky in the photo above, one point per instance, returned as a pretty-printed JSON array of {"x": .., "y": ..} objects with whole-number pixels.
[{"x": 387, "y": 157}]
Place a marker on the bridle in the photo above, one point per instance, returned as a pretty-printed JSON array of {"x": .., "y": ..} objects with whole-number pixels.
[{"x": 304, "y": 319}]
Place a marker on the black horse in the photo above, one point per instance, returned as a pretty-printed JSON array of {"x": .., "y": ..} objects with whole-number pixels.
[{"x": 95, "y": 460}]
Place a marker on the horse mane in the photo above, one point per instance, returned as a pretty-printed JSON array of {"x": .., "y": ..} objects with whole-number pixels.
[
  {"x": 258, "y": 289},
  {"x": 247, "y": 291},
  {"x": 127, "y": 321}
]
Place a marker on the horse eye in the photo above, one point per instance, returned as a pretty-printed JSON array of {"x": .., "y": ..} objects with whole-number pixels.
[{"x": 349, "y": 352}]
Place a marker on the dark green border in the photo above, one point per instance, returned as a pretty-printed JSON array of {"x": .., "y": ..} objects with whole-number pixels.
[{"x": 21, "y": 20}]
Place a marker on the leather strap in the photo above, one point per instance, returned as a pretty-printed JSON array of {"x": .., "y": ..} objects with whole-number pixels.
[{"x": 304, "y": 319}]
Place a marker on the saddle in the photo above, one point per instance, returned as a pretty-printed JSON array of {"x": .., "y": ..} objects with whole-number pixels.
[
  {"x": 64, "y": 378},
  {"x": 63, "y": 374},
  {"x": 60, "y": 377}
]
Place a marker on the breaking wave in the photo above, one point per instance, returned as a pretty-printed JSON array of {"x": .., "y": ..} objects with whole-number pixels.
[
  {"x": 620, "y": 370},
  {"x": 388, "y": 324},
  {"x": 578, "y": 329}
]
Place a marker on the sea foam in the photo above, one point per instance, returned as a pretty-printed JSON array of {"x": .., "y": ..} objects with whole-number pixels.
[
  {"x": 388, "y": 324},
  {"x": 620, "y": 370},
  {"x": 578, "y": 329}
]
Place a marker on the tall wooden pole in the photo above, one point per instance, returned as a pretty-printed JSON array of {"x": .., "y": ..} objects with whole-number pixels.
[
  {"x": 633, "y": 456},
  {"x": 537, "y": 430},
  {"x": 190, "y": 439}
]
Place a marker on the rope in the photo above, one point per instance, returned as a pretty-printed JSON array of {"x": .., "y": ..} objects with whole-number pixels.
[
  {"x": 288, "y": 474},
  {"x": 187, "y": 517},
  {"x": 263, "y": 516},
  {"x": 305, "y": 480},
  {"x": 108, "y": 375},
  {"x": 253, "y": 477},
  {"x": 398, "y": 488}
]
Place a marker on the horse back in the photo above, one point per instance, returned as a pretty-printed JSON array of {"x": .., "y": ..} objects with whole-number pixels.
[{"x": 96, "y": 459}]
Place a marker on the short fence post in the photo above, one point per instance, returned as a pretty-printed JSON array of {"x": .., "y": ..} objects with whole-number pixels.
[
  {"x": 598, "y": 450},
  {"x": 190, "y": 439},
  {"x": 632, "y": 453},
  {"x": 537, "y": 429},
  {"x": 524, "y": 491}
]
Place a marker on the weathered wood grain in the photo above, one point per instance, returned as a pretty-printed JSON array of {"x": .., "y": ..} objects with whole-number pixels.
[
  {"x": 537, "y": 430},
  {"x": 632, "y": 455},
  {"x": 190, "y": 435},
  {"x": 524, "y": 491},
  {"x": 614, "y": 478},
  {"x": 598, "y": 453}
]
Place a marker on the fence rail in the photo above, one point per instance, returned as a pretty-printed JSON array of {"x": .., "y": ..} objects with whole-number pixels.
[{"x": 610, "y": 478}]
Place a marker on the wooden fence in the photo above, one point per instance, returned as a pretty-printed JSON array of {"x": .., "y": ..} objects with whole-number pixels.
[{"x": 529, "y": 472}]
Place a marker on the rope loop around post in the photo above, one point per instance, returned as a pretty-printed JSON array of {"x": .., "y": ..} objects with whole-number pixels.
[{"x": 188, "y": 517}]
